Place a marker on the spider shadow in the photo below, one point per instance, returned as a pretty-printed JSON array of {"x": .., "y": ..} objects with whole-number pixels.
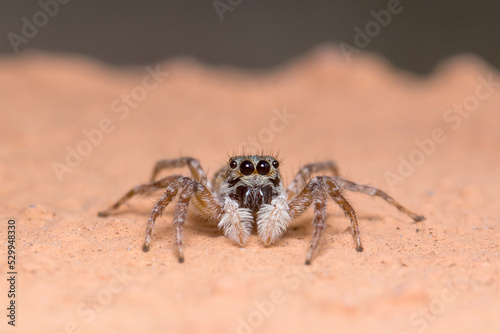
[
  {"x": 193, "y": 220},
  {"x": 196, "y": 222},
  {"x": 302, "y": 228}
]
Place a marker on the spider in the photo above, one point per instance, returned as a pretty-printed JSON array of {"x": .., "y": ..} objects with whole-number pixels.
[{"x": 248, "y": 191}]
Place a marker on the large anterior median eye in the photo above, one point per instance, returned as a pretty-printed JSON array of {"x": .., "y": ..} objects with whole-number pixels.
[
  {"x": 246, "y": 167},
  {"x": 263, "y": 167}
]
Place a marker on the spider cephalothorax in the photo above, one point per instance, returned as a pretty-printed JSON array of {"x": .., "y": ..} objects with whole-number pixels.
[
  {"x": 249, "y": 191},
  {"x": 251, "y": 187},
  {"x": 252, "y": 181}
]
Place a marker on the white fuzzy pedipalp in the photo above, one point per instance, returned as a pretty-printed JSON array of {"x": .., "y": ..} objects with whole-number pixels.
[
  {"x": 273, "y": 220},
  {"x": 236, "y": 222}
]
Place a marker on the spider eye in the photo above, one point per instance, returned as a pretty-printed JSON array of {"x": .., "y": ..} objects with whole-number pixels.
[
  {"x": 276, "y": 164},
  {"x": 263, "y": 167},
  {"x": 246, "y": 167},
  {"x": 233, "y": 164}
]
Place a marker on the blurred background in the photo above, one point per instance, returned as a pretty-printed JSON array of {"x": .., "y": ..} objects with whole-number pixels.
[{"x": 252, "y": 34}]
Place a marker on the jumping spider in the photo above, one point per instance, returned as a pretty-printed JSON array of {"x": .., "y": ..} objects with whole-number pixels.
[{"x": 249, "y": 191}]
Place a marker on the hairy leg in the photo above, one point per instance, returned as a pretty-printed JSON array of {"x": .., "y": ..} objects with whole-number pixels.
[
  {"x": 316, "y": 191},
  {"x": 180, "y": 216},
  {"x": 218, "y": 178},
  {"x": 372, "y": 191},
  {"x": 207, "y": 203},
  {"x": 334, "y": 191},
  {"x": 319, "y": 222},
  {"x": 304, "y": 175},
  {"x": 140, "y": 190},
  {"x": 194, "y": 166},
  {"x": 301, "y": 202},
  {"x": 170, "y": 193},
  {"x": 202, "y": 198}
]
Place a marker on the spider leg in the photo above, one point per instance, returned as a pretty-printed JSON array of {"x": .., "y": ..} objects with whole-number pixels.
[
  {"x": 189, "y": 189},
  {"x": 170, "y": 193},
  {"x": 140, "y": 190},
  {"x": 316, "y": 191},
  {"x": 194, "y": 166},
  {"x": 218, "y": 178},
  {"x": 304, "y": 175},
  {"x": 372, "y": 191},
  {"x": 207, "y": 203},
  {"x": 319, "y": 222},
  {"x": 180, "y": 216},
  {"x": 334, "y": 191}
]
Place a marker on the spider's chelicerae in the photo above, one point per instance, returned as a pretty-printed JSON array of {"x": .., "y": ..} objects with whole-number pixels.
[{"x": 248, "y": 191}]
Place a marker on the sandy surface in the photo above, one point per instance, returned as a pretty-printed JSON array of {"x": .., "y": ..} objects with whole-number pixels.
[{"x": 78, "y": 273}]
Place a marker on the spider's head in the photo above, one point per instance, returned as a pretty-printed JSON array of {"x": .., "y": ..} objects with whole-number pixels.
[
  {"x": 252, "y": 180},
  {"x": 254, "y": 170}
]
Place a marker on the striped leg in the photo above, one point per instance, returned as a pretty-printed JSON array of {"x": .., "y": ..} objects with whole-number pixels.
[
  {"x": 189, "y": 189},
  {"x": 180, "y": 217},
  {"x": 194, "y": 166},
  {"x": 316, "y": 192},
  {"x": 140, "y": 190},
  {"x": 218, "y": 178},
  {"x": 319, "y": 223},
  {"x": 334, "y": 191},
  {"x": 304, "y": 175},
  {"x": 170, "y": 193},
  {"x": 349, "y": 185}
]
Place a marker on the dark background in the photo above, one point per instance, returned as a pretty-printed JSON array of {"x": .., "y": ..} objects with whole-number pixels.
[{"x": 257, "y": 33}]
